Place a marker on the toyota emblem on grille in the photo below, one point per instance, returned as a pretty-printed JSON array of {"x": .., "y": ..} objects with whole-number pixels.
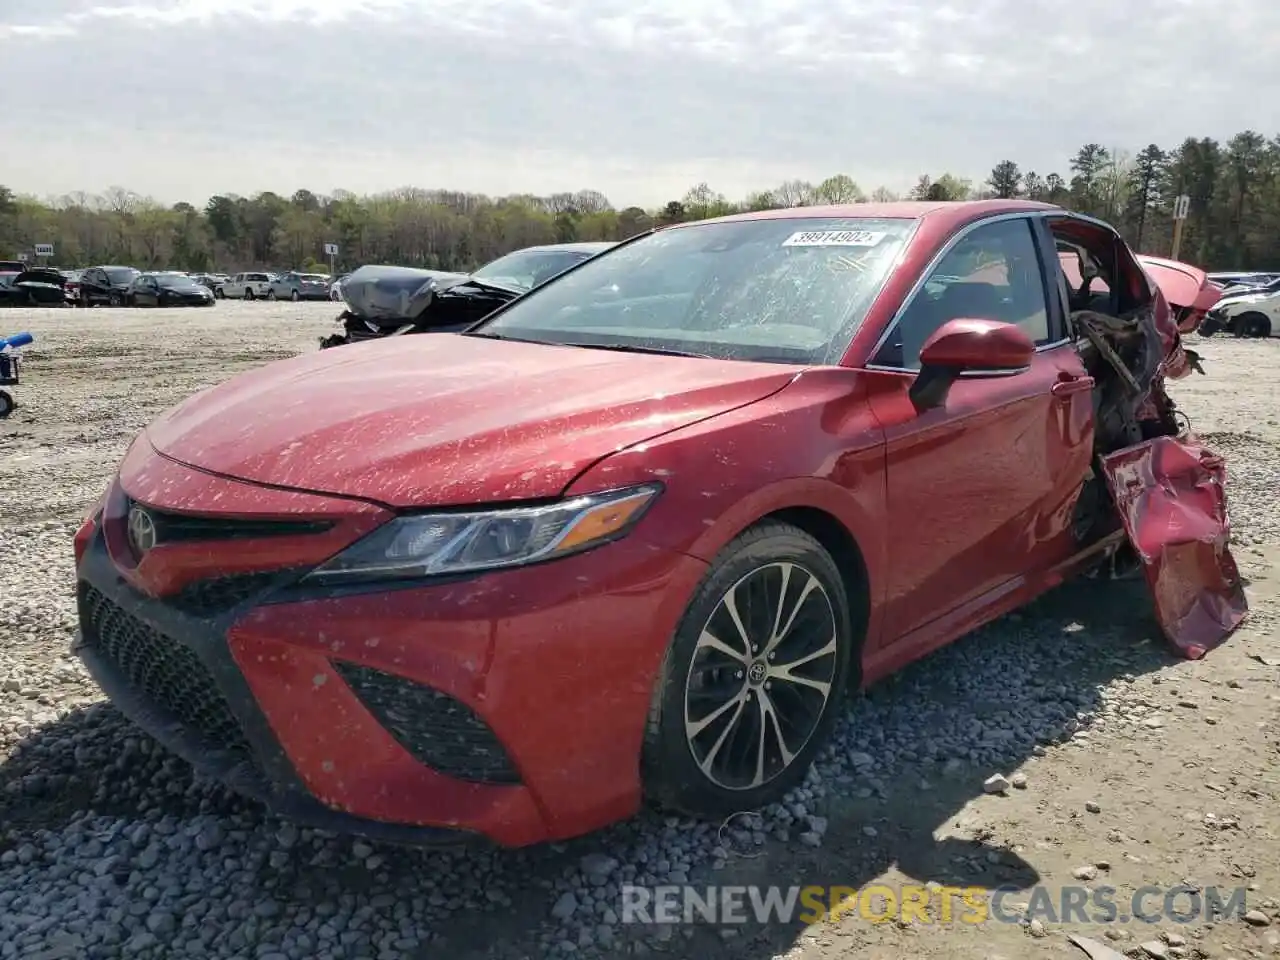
[{"x": 142, "y": 530}]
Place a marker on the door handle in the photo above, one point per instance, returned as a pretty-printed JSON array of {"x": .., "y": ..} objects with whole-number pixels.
[{"x": 1068, "y": 386}]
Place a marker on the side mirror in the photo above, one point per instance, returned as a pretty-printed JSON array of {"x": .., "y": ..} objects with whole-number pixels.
[{"x": 975, "y": 348}]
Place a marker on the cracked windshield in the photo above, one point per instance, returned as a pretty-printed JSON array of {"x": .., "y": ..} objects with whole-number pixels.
[{"x": 787, "y": 290}]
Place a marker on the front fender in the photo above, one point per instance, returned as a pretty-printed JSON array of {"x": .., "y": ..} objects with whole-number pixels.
[{"x": 814, "y": 445}]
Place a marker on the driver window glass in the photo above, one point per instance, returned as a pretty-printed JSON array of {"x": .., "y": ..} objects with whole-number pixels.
[{"x": 992, "y": 274}]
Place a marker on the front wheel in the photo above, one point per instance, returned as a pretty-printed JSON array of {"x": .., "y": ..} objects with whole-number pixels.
[
  {"x": 114, "y": 300},
  {"x": 752, "y": 681},
  {"x": 271, "y": 295},
  {"x": 295, "y": 297},
  {"x": 248, "y": 293},
  {"x": 1253, "y": 324}
]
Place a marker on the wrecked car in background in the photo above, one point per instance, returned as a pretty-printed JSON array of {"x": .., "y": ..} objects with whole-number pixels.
[
  {"x": 35, "y": 287},
  {"x": 635, "y": 533},
  {"x": 389, "y": 301},
  {"x": 1253, "y": 313}
]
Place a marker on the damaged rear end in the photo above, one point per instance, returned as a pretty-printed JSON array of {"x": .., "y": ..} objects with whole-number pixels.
[{"x": 1166, "y": 488}]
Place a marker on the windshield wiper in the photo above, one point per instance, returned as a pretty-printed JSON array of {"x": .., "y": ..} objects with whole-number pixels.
[
  {"x": 490, "y": 285},
  {"x": 617, "y": 347},
  {"x": 503, "y": 336},
  {"x": 629, "y": 348}
]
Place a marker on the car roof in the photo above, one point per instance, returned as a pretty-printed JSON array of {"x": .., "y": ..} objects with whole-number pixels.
[
  {"x": 942, "y": 214},
  {"x": 591, "y": 247}
]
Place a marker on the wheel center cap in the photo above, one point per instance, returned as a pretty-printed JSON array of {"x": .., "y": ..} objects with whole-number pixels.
[{"x": 756, "y": 673}]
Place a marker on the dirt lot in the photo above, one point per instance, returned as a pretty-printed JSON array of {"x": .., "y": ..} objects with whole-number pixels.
[{"x": 1140, "y": 770}]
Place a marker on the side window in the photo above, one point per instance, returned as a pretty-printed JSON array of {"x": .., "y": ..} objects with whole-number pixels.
[{"x": 993, "y": 273}]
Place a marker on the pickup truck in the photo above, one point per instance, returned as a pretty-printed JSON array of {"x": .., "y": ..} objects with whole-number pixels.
[{"x": 245, "y": 286}]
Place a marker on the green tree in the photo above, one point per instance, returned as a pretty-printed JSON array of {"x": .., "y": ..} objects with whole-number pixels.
[{"x": 1006, "y": 180}]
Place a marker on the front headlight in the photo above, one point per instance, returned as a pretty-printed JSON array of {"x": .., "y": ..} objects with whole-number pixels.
[{"x": 437, "y": 544}]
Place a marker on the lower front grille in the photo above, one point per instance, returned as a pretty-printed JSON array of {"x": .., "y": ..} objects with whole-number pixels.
[
  {"x": 439, "y": 731},
  {"x": 207, "y": 598},
  {"x": 166, "y": 673}
]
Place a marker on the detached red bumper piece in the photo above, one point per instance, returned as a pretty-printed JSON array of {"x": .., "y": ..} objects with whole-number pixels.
[{"x": 1172, "y": 499}]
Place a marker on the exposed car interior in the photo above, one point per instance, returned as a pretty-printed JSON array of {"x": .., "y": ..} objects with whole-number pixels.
[{"x": 1111, "y": 307}]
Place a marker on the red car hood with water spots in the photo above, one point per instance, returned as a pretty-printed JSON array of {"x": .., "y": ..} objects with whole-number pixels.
[{"x": 448, "y": 419}]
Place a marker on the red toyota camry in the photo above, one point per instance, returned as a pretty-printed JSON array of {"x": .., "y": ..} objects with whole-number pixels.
[{"x": 634, "y": 535}]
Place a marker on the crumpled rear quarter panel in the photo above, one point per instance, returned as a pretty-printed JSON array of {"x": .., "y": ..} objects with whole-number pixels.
[{"x": 1171, "y": 494}]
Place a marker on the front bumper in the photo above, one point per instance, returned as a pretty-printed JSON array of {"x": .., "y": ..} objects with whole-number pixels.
[{"x": 510, "y": 706}]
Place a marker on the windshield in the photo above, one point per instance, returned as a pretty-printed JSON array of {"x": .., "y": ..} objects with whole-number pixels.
[
  {"x": 122, "y": 274},
  {"x": 526, "y": 269},
  {"x": 777, "y": 290}
]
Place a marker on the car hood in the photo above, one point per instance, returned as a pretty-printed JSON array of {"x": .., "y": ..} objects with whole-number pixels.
[
  {"x": 448, "y": 419},
  {"x": 1244, "y": 296},
  {"x": 377, "y": 292}
]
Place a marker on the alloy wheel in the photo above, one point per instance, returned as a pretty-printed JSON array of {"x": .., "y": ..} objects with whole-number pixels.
[{"x": 762, "y": 674}]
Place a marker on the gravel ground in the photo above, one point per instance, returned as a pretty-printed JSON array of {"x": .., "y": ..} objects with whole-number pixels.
[{"x": 1123, "y": 761}]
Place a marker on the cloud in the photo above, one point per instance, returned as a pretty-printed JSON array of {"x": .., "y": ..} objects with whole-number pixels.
[{"x": 637, "y": 98}]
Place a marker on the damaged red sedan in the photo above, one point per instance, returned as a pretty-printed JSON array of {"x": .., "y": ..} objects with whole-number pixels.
[{"x": 634, "y": 535}]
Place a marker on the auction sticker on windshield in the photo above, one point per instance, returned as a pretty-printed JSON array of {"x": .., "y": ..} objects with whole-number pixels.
[{"x": 833, "y": 238}]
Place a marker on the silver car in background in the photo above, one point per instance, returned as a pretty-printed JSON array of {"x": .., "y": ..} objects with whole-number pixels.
[{"x": 299, "y": 286}]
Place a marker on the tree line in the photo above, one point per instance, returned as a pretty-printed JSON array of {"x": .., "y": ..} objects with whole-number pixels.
[{"x": 1233, "y": 223}]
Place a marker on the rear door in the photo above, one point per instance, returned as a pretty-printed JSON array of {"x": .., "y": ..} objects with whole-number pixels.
[{"x": 981, "y": 490}]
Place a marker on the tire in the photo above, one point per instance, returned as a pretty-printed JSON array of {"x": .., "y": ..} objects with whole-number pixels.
[
  {"x": 7, "y": 406},
  {"x": 219, "y": 295},
  {"x": 768, "y": 561},
  {"x": 249, "y": 294},
  {"x": 113, "y": 300},
  {"x": 1253, "y": 324},
  {"x": 271, "y": 295},
  {"x": 295, "y": 296}
]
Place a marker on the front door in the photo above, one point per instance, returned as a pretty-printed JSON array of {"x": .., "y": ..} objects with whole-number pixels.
[{"x": 980, "y": 490}]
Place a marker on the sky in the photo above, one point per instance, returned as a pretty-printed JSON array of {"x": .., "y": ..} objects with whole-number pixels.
[{"x": 639, "y": 99}]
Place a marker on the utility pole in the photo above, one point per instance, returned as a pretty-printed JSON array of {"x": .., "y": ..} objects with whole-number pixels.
[{"x": 1181, "y": 207}]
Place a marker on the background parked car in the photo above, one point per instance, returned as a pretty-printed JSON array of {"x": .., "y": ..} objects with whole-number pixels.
[
  {"x": 382, "y": 301},
  {"x": 335, "y": 288},
  {"x": 299, "y": 286},
  {"x": 245, "y": 286},
  {"x": 211, "y": 280},
  {"x": 1240, "y": 282},
  {"x": 1254, "y": 313},
  {"x": 168, "y": 290},
  {"x": 73, "y": 284},
  {"x": 38, "y": 286},
  {"x": 107, "y": 285}
]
